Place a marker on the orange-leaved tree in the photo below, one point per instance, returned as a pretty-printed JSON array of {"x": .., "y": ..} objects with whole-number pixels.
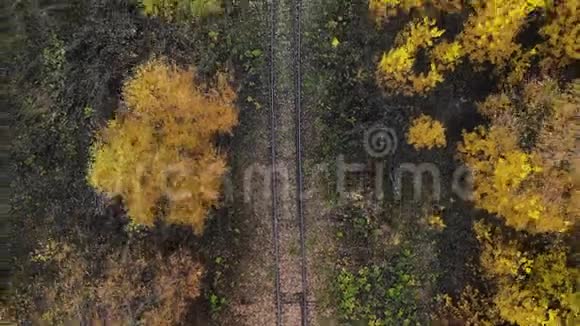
[{"x": 160, "y": 153}]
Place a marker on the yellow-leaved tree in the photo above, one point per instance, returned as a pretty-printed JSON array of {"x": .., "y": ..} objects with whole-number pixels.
[
  {"x": 489, "y": 36},
  {"x": 395, "y": 70},
  {"x": 523, "y": 165},
  {"x": 562, "y": 33},
  {"x": 490, "y": 32},
  {"x": 159, "y": 156},
  {"x": 382, "y": 10},
  {"x": 531, "y": 288},
  {"x": 426, "y": 133}
]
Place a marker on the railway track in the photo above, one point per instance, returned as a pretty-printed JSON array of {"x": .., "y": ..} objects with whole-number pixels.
[
  {"x": 280, "y": 296},
  {"x": 299, "y": 168}
]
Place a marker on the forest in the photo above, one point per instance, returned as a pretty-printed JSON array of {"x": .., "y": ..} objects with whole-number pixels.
[{"x": 291, "y": 162}]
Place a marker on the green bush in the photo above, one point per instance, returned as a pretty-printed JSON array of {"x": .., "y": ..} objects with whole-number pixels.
[{"x": 381, "y": 294}]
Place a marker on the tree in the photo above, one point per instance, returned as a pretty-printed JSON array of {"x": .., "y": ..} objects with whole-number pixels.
[
  {"x": 426, "y": 133},
  {"x": 489, "y": 36},
  {"x": 533, "y": 288},
  {"x": 523, "y": 163},
  {"x": 562, "y": 33},
  {"x": 161, "y": 149},
  {"x": 524, "y": 284},
  {"x": 382, "y": 10},
  {"x": 72, "y": 286},
  {"x": 395, "y": 70},
  {"x": 489, "y": 33}
]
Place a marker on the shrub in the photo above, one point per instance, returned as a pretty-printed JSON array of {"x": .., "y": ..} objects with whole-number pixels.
[
  {"x": 177, "y": 283},
  {"x": 118, "y": 292},
  {"x": 385, "y": 294},
  {"x": 426, "y": 133},
  {"x": 471, "y": 308},
  {"x": 181, "y": 9},
  {"x": 436, "y": 222},
  {"x": 123, "y": 293},
  {"x": 381, "y": 10},
  {"x": 53, "y": 57},
  {"x": 161, "y": 149},
  {"x": 68, "y": 284},
  {"x": 63, "y": 299}
]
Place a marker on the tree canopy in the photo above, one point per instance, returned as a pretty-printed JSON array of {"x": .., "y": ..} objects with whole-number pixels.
[{"x": 160, "y": 150}]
